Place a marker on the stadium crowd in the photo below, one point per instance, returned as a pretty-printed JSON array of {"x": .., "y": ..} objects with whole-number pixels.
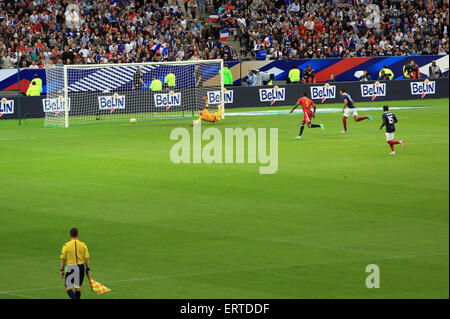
[
  {"x": 339, "y": 28},
  {"x": 49, "y": 32}
]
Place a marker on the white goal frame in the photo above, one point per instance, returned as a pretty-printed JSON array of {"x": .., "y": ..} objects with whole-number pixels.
[{"x": 88, "y": 66}]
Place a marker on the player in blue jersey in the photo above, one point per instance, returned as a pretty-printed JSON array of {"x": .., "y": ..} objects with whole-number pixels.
[
  {"x": 389, "y": 120},
  {"x": 350, "y": 109}
]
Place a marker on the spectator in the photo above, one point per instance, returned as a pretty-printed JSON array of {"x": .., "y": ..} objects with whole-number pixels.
[
  {"x": 386, "y": 72},
  {"x": 365, "y": 76},
  {"x": 294, "y": 6},
  {"x": 6, "y": 61},
  {"x": 201, "y": 7},
  {"x": 192, "y": 4},
  {"x": 33, "y": 65},
  {"x": 294, "y": 75},
  {"x": 261, "y": 54},
  {"x": 68, "y": 55},
  {"x": 332, "y": 78},
  {"x": 309, "y": 75},
  {"x": 434, "y": 71}
]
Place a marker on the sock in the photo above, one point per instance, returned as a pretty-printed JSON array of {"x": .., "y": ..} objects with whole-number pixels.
[
  {"x": 78, "y": 294},
  {"x": 302, "y": 127},
  {"x": 361, "y": 118},
  {"x": 71, "y": 294},
  {"x": 344, "y": 121},
  {"x": 391, "y": 146},
  {"x": 314, "y": 125},
  {"x": 392, "y": 143}
]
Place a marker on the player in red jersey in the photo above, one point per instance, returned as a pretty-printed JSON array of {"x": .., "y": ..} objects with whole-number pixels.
[{"x": 308, "y": 115}]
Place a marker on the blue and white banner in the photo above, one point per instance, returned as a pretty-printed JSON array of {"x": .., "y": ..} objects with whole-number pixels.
[
  {"x": 272, "y": 95},
  {"x": 423, "y": 88},
  {"x": 55, "y": 105},
  {"x": 323, "y": 92},
  {"x": 6, "y": 106},
  {"x": 373, "y": 90},
  {"x": 167, "y": 100},
  {"x": 214, "y": 97},
  {"x": 111, "y": 102}
]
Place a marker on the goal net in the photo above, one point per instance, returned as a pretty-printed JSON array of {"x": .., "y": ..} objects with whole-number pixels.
[{"x": 80, "y": 94}]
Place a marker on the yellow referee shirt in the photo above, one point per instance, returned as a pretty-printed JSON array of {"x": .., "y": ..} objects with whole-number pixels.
[
  {"x": 156, "y": 85},
  {"x": 74, "y": 252},
  {"x": 294, "y": 75},
  {"x": 170, "y": 79}
]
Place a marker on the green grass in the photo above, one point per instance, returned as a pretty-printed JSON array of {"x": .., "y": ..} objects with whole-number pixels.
[{"x": 160, "y": 230}]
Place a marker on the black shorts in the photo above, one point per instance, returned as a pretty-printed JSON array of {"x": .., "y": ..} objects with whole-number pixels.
[{"x": 71, "y": 283}]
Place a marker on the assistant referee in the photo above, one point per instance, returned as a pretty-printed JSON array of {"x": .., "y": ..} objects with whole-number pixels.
[{"x": 75, "y": 255}]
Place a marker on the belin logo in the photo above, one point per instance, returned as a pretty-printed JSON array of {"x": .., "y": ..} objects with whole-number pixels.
[
  {"x": 168, "y": 100},
  {"x": 214, "y": 97},
  {"x": 423, "y": 88},
  {"x": 55, "y": 105},
  {"x": 373, "y": 90},
  {"x": 272, "y": 95},
  {"x": 6, "y": 106},
  {"x": 111, "y": 102},
  {"x": 323, "y": 92}
]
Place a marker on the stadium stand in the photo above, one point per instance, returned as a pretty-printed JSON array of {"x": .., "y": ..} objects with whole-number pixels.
[{"x": 49, "y": 32}]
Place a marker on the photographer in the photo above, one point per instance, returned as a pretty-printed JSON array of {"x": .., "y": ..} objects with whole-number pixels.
[
  {"x": 250, "y": 77},
  {"x": 365, "y": 76}
]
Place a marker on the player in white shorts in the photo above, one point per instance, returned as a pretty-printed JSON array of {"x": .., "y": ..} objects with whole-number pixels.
[
  {"x": 349, "y": 109},
  {"x": 389, "y": 120}
]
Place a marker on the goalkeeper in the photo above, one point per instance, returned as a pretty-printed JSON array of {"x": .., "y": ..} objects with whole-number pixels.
[{"x": 206, "y": 116}]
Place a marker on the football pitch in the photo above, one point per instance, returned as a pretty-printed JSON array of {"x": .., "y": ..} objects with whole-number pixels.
[{"x": 156, "y": 229}]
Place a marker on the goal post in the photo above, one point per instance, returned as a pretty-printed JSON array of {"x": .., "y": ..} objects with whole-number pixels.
[
  {"x": 98, "y": 93},
  {"x": 222, "y": 89}
]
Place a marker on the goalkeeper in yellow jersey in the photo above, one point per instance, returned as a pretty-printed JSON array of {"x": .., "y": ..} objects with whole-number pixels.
[{"x": 206, "y": 116}]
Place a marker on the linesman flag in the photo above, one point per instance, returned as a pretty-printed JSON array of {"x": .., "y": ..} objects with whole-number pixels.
[{"x": 98, "y": 287}]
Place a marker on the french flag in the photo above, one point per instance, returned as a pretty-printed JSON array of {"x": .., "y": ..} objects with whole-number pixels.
[
  {"x": 268, "y": 40},
  {"x": 224, "y": 34},
  {"x": 155, "y": 47},
  {"x": 214, "y": 18}
]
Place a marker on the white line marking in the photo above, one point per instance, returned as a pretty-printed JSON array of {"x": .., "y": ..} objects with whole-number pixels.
[
  {"x": 324, "y": 110},
  {"x": 22, "y": 296}
]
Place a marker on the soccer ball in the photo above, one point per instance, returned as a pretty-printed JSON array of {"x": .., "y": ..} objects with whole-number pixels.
[{"x": 132, "y": 120}]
